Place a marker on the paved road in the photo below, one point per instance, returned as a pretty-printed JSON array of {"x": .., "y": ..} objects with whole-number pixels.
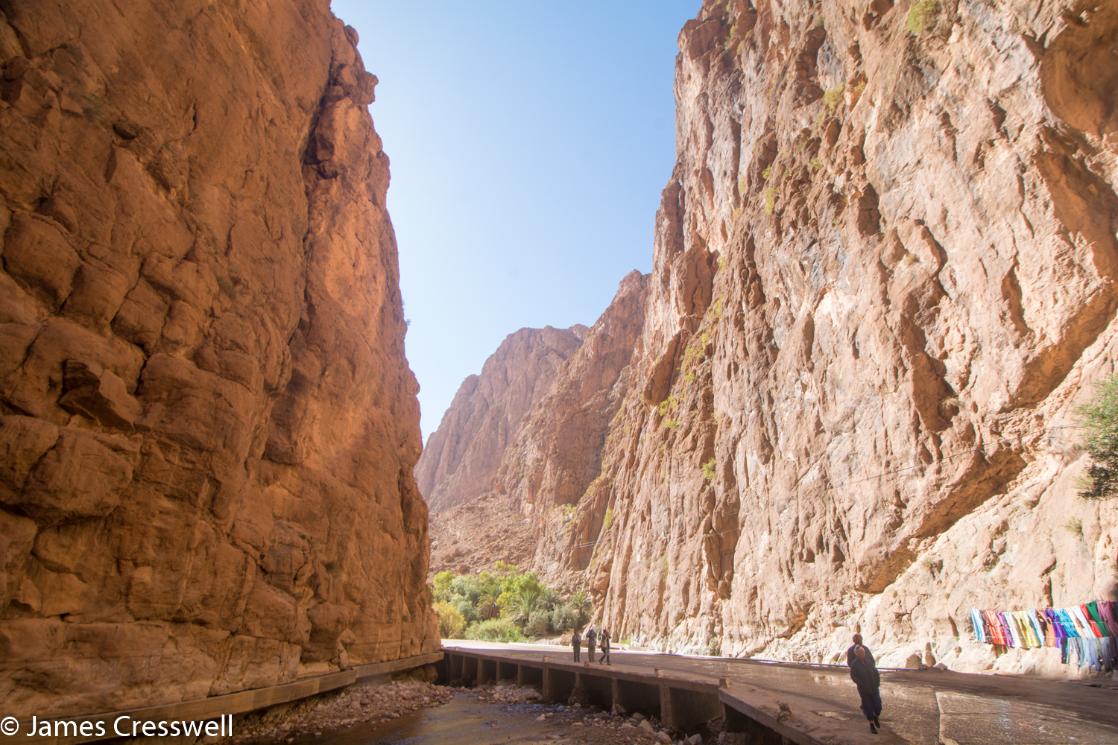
[{"x": 921, "y": 708}]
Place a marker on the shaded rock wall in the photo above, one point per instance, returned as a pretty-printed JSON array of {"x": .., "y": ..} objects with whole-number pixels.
[
  {"x": 207, "y": 424},
  {"x": 552, "y": 468},
  {"x": 540, "y": 463},
  {"x": 462, "y": 456}
]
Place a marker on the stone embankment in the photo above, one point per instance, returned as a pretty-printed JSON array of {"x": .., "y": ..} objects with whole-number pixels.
[{"x": 364, "y": 703}]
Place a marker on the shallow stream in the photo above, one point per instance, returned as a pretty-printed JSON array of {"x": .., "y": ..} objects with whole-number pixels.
[{"x": 469, "y": 720}]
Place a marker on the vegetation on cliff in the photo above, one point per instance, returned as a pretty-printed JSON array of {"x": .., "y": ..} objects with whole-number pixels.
[
  {"x": 1100, "y": 417},
  {"x": 506, "y": 604}
]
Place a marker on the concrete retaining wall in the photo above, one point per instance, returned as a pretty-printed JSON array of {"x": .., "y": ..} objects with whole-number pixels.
[
  {"x": 681, "y": 703},
  {"x": 240, "y": 702}
]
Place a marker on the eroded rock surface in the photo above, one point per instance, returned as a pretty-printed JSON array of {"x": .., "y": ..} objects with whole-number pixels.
[
  {"x": 537, "y": 459},
  {"x": 884, "y": 275},
  {"x": 462, "y": 456},
  {"x": 207, "y": 424},
  {"x": 884, "y": 278}
]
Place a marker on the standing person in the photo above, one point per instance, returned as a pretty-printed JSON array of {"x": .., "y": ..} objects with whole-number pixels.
[
  {"x": 576, "y": 643},
  {"x": 865, "y": 675},
  {"x": 603, "y": 642},
  {"x": 591, "y": 637}
]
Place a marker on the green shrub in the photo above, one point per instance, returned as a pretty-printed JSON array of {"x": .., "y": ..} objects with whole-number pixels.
[
  {"x": 539, "y": 623},
  {"x": 495, "y": 630},
  {"x": 708, "y": 470},
  {"x": 833, "y": 97},
  {"x": 521, "y": 594},
  {"x": 921, "y": 15},
  {"x": 1100, "y": 421},
  {"x": 451, "y": 621},
  {"x": 472, "y": 602},
  {"x": 770, "y": 200},
  {"x": 440, "y": 585},
  {"x": 566, "y": 512},
  {"x": 488, "y": 609},
  {"x": 581, "y": 605},
  {"x": 564, "y": 618},
  {"x": 608, "y": 519},
  {"x": 694, "y": 353}
]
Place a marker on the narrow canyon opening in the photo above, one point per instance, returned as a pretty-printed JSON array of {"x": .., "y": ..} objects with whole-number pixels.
[{"x": 840, "y": 453}]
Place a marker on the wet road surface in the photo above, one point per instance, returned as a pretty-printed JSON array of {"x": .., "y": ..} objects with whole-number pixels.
[{"x": 921, "y": 707}]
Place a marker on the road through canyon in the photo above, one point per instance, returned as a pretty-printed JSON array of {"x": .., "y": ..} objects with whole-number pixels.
[{"x": 930, "y": 707}]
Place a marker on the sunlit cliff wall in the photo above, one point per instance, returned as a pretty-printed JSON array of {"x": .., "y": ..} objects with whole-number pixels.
[
  {"x": 207, "y": 424},
  {"x": 883, "y": 280},
  {"x": 884, "y": 276}
]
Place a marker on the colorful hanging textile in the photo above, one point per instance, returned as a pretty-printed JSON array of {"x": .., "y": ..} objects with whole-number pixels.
[{"x": 1086, "y": 634}]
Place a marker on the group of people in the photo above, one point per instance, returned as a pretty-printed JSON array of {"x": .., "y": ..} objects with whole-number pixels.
[
  {"x": 593, "y": 639},
  {"x": 863, "y": 669}
]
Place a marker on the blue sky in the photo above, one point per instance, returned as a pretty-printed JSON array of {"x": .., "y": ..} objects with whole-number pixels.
[{"x": 529, "y": 142}]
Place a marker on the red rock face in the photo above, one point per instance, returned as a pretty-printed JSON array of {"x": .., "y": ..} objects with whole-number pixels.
[
  {"x": 208, "y": 425},
  {"x": 532, "y": 425},
  {"x": 462, "y": 455},
  {"x": 884, "y": 278}
]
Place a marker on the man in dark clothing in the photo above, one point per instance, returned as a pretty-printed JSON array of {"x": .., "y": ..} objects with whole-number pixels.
[
  {"x": 576, "y": 643},
  {"x": 603, "y": 642},
  {"x": 850, "y": 652},
  {"x": 591, "y": 637},
  {"x": 865, "y": 675}
]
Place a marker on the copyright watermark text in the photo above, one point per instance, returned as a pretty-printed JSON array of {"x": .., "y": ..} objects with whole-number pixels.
[{"x": 124, "y": 725}]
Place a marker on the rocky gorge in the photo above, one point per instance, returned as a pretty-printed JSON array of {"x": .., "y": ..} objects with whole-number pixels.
[
  {"x": 207, "y": 423},
  {"x": 844, "y": 398},
  {"x": 883, "y": 281}
]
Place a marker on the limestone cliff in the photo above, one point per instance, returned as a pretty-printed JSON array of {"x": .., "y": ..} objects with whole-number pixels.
[
  {"x": 883, "y": 279},
  {"x": 207, "y": 424},
  {"x": 539, "y": 459},
  {"x": 461, "y": 457},
  {"x": 884, "y": 274}
]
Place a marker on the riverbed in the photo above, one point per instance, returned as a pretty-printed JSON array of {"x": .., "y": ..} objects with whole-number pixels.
[{"x": 479, "y": 717}]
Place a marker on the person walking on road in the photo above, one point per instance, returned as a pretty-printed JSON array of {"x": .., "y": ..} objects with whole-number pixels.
[
  {"x": 865, "y": 675},
  {"x": 576, "y": 644},
  {"x": 603, "y": 643},
  {"x": 591, "y": 637}
]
